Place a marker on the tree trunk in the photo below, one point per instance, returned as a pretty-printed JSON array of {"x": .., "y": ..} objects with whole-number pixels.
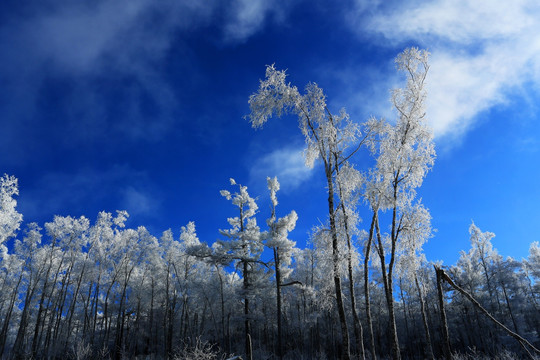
[
  {"x": 247, "y": 324},
  {"x": 346, "y": 351},
  {"x": 509, "y": 308},
  {"x": 406, "y": 318},
  {"x": 444, "y": 324},
  {"x": 278, "y": 300},
  {"x": 5, "y": 325},
  {"x": 71, "y": 310},
  {"x": 41, "y": 306},
  {"x": 225, "y": 342},
  {"x": 387, "y": 281},
  {"x": 358, "y": 331},
  {"x": 95, "y": 306},
  {"x": 429, "y": 349},
  {"x": 366, "y": 286},
  {"x": 18, "y": 350}
]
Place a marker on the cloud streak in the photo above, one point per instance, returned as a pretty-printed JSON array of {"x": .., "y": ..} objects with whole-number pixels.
[
  {"x": 138, "y": 202},
  {"x": 286, "y": 163},
  {"x": 247, "y": 17},
  {"x": 87, "y": 189},
  {"x": 482, "y": 52},
  {"x": 110, "y": 57}
]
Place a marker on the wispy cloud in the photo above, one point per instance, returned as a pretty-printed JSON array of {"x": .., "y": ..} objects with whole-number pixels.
[
  {"x": 138, "y": 202},
  {"x": 359, "y": 85},
  {"x": 286, "y": 163},
  {"x": 481, "y": 51},
  {"x": 80, "y": 38},
  {"x": 110, "y": 59},
  {"x": 247, "y": 17},
  {"x": 86, "y": 190},
  {"x": 121, "y": 36}
]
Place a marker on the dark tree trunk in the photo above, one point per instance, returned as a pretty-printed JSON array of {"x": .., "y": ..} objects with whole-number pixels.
[
  {"x": 387, "y": 281},
  {"x": 366, "y": 286},
  {"x": 444, "y": 325},
  {"x": 247, "y": 324},
  {"x": 345, "y": 347},
  {"x": 429, "y": 349},
  {"x": 5, "y": 325},
  {"x": 278, "y": 300}
]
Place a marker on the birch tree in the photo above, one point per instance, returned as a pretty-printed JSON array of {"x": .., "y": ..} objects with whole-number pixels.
[
  {"x": 404, "y": 154},
  {"x": 348, "y": 181},
  {"x": 330, "y": 138}
]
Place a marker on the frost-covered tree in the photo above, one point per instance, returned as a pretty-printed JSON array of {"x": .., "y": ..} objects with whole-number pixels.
[
  {"x": 72, "y": 239},
  {"x": 35, "y": 263},
  {"x": 531, "y": 268},
  {"x": 10, "y": 219},
  {"x": 330, "y": 138},
  {"x": 349, "y": 181},
  {"x": 483, "y": 253},
  {"x": 412, "y": 270},
  {"x": 64, "y": 233},
  {"x": 101, "y": 236},
  {"x": 244, "y": 246},
  {"x": 498, "y": 284},
  {"x": 282, "y": 247},
  {"x": 26, "y": 261},
  {"x": 404, "y": 154}
]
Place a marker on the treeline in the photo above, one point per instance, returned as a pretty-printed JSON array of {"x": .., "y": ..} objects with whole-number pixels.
[
  {"x": 88, "y": 291},
  {"x": 101, "y": 290}
]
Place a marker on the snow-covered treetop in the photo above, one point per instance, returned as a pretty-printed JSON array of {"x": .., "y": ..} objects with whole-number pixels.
[
  {"x": 274, "y": 97},
  {"x": 481, "y": 242},
  {"x": 244, "y": 237},
  {"x": 273, "y": 186},
  {"x": 63, "y": 227},
  {"x": 188, "y": 235},
  {"x": 10, "y": 219},
  {"x": 533, "y": 261},
  {"x": 406, "y": 149},
  {"x": 326, "y": 134}
]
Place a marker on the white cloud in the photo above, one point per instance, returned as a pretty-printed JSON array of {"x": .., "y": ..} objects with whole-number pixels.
[
  {"x": 79, "y": 38},
  {"x": 138, "y": 202},
  {"x": 481, "y": 51},
  {"x": 359, "y": 85},
  {"x": 286, "y": 163},
  {"x": 102, "y": 50},
  {"x": 247, "y": 17},
  {"x": 87, "y": 189}
]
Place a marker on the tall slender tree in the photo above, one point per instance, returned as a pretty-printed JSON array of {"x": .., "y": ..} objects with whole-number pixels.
[
  {"x": 331, "y": 138},
  {"x": 348, "y": 181},
  {"x": 244, "y": 246},
  {"x": 404, "y": 154},
  {"x": 277, "y": 239}
]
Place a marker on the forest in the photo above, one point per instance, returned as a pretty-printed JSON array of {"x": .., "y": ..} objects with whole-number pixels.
[{"x": 83, "y": 289}]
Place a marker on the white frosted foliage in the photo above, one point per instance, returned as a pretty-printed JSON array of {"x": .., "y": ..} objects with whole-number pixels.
[
  {"x": 244, "y": 238},
  {"x": 10, "y": 219}
]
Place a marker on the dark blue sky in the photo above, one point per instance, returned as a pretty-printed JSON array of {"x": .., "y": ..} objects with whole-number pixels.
[{"x": 139, "y": 105}]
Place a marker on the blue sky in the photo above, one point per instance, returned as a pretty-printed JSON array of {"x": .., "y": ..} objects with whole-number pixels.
[{"x": 139, "y": 105}]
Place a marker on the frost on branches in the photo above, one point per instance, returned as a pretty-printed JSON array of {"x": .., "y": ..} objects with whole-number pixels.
[{"x": 10, "y": 219}]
